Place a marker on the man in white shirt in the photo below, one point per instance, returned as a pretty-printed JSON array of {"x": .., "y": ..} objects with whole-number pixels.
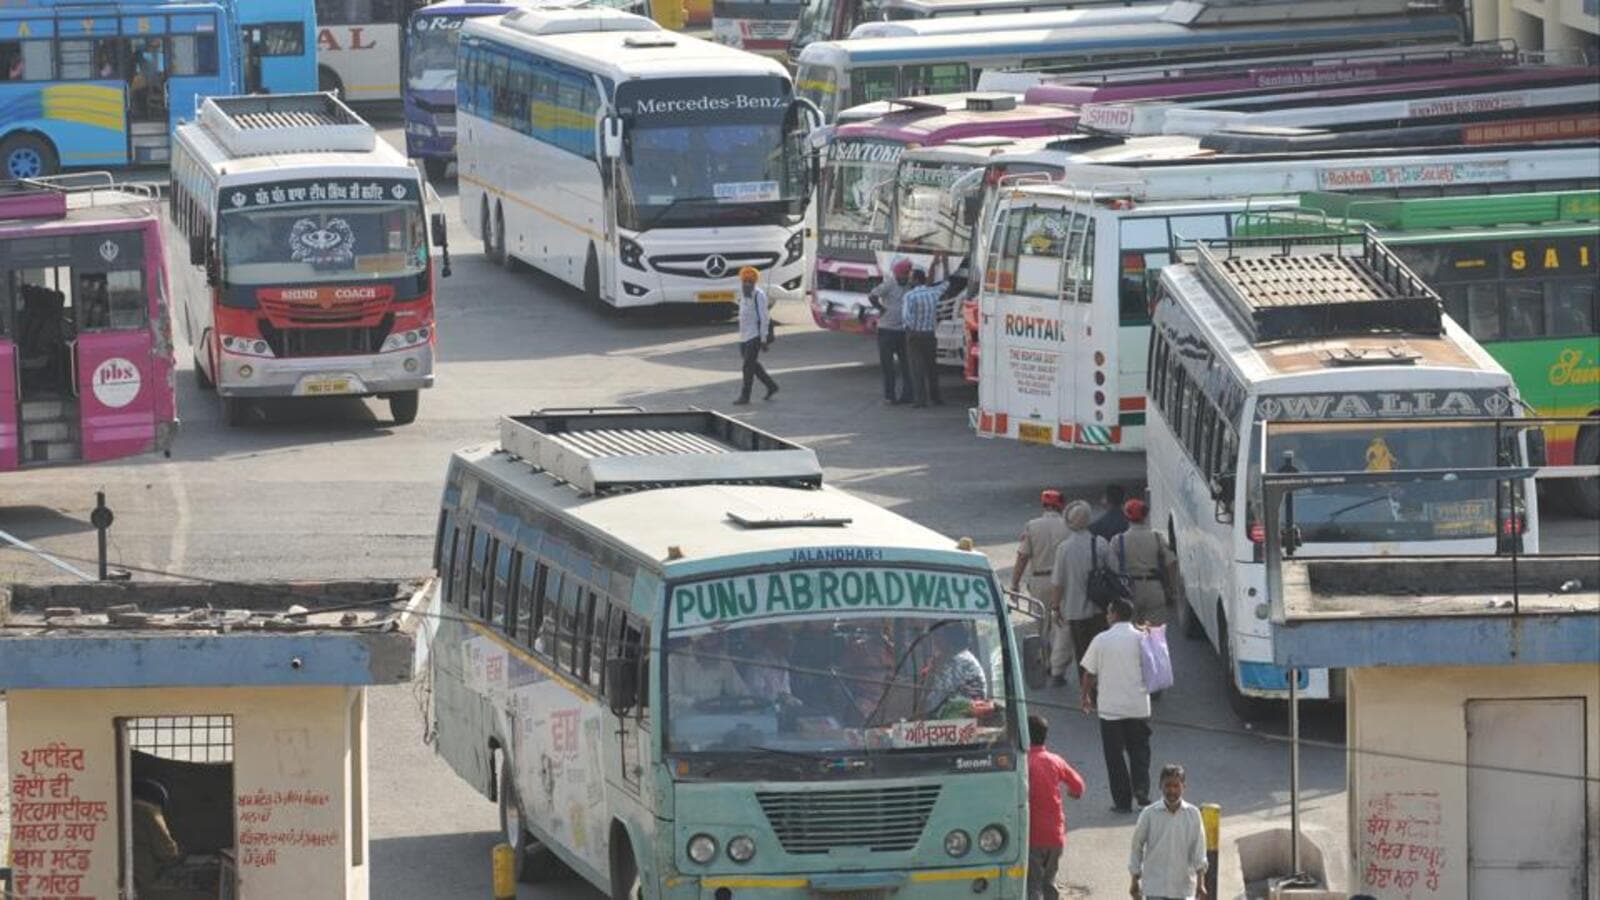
[
  {"x": 1169, "y": 846},
  {"x": 1113, "y": 684},
  {"x": 755, "y": 334}
]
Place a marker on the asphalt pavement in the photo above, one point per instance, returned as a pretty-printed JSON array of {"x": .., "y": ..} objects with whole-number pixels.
[{"x": 331, "y": 488}]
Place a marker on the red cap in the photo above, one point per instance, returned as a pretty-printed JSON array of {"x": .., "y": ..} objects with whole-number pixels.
[
  {"x": 1135, "y": 510},
  {"x": 901, "y": 268},
  {"x": 1050, "y": 498}
]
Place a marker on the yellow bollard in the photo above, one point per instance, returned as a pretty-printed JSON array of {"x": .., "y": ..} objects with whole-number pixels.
[
  {"x": 1211, "y": 817},
  {"x": 505, "y": 872}
]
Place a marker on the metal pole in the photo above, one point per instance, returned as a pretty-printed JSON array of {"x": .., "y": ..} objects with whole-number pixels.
[
  {"x": 1294, "y": 771},
  {"x": 1211, "y": 818},
  {"x": 101, "y": 518}
]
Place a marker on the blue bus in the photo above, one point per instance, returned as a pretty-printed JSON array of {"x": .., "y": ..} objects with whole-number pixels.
[
  {"x": 429, "y": 89},
  {"x": 278, "y": 42},
  {"x": 104, "y": 85}
]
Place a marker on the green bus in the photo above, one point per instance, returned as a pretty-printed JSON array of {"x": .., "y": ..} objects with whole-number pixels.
[{"x": 1521, "y": 272}]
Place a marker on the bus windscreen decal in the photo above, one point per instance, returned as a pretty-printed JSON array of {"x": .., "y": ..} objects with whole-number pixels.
[
  {"x": 330, "y": 244},
  {"x": 1414, "y": 175},
  {"x": 799, "y": 592},
  {"x": 746, "y": 191},
  {"x": 313, "y": 190},
  {"x": 1383, "y": 405}
]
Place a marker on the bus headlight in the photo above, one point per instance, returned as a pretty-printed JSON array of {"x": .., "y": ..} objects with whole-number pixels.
[
  {"x": 247, "y": 346},
  {"x": 742, "y": 849},
  {"x": 400, "y": 340},
  {"x": 992, "y": 839},
  {"x": 702, "y": 848},
  {"x": 631, "y": 254},
  {"x": 794, "y": 248},
  {"x": 957, "y": 843}
]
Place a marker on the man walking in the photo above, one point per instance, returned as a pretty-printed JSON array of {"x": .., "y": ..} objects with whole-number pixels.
[
  {"x": 1077, "y": 620},
  {"x": 1113, "y": 686},
  {"x": 1169, "y": 846},
  {"x": 921, "y": 317},
  {"x": 1149, "y": 561},
  {"x": 755, "y": 334},
  {"x": 892, "y": 358},
  {"x": 1047, "y": 821},
  {"x": 1110, "y": 522},
  {"x": 1036, "y": 553}
]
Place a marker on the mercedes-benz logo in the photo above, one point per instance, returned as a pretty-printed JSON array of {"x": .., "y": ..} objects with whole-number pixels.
[{"x": 716, "y": 265}]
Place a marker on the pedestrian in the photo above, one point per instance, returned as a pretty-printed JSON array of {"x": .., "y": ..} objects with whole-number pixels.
[
  {"x": 892, "y": 358},
  {"x": 1047, "y": 821},
  {"x": 1036, "y": 553},
  {"x": 1113, "y": 687},
  {"x": 1110, "y": 522},
  {"x": 1148, "y": 559},
  {"x": 1169, "y": 845},
  {"x": 755, "y": 334},
  {"x": 1077, "y": 620},
  {"x": 922, "y": 345}
]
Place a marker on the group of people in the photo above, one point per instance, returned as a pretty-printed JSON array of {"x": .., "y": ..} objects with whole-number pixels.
[{"x": 908, "y": 313}]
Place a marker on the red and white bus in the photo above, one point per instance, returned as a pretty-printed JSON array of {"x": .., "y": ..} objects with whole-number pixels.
[
  {"x": 313, "y": 236},
  {"x": 85, "y": 333}
]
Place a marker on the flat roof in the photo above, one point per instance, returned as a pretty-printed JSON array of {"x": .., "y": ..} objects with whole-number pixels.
[{"x": 622, "y": 54}]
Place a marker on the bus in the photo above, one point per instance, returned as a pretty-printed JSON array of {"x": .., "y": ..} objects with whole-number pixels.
[
  {"x": 1061, "y": 18},
  {"x": 839, "y": 74},
  {"x": 1346, "y": 339},
  {"x": 653, "y": 166},
  {"x": 855, "y": 191},
  {"x": 312, "y": 235},
  {"x": 1064, "y": 305},
  {"x": 104, "y": 85},
  {"x": 766, "y": 27},
  {"x": 278, "y": 45},
  {"x": 429, "y": 54},
  {"x": 358, "y": 47},
  {"x": 85, "y": 331},
  {"x": 1519, "y": 272},
  {"x": 685, "y": 679},
  {"x": 834, "y": 20}
]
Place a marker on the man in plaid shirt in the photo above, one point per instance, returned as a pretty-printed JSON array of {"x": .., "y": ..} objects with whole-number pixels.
[{"x": 921, "y": 305}]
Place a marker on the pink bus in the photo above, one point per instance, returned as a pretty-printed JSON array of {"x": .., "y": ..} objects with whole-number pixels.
[
  {"x": 854, "y": 198},
  {"x": 85, "y": 335}
]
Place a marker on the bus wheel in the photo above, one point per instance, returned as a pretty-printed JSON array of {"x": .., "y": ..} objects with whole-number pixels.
[
  {"x": 591, "y": 278},
  {"x": 200, "y": 375},
  {"x": 625, "y": 884},
  {"x": 1585, "y": 496},
  {"x": 27, "y": 156},
  {"x": 500, "y": 255},
  {"x": 329, "y": 82},
  {"x": 436, "y": 167},
  {"x": 531, "y": 860},
  {"x": 403, "y": 407},
  {"x": 1249, "y": 709},
  {"x": 233, "y": 410},
  {"x": 486, "y": 231}
]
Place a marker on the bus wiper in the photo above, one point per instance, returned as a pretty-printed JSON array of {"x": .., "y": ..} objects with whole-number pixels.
[
  {"x": 671, "y": 205},
  {"x": 1357, "y": 505}
]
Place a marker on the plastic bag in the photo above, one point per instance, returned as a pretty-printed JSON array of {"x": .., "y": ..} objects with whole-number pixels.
[{"x": 1154, "y": 661}]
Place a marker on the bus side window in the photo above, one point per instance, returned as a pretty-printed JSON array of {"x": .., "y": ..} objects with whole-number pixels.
[
  {"x": 458, "y": 569},
  {"x": 583, "y": 654},
  {"x": 476, "y": 564},
  {"x": 438, "y": 540},
  {"x": 529, "y": 571},
  {"x": 500, "y": 613},
  {"x": 876, "y": 83},
  {"x": 488, "y": 601},
  {"x": 549, "y": 613},
  {"x": 605, "y": 615}
]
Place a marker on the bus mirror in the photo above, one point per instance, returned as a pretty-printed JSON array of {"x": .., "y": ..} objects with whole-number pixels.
[
  {"x": 1033, "y": 665},
  {"x": 622, "y": 684},
  {"x": 1222, "y": 488},
  {"x": 1537, "y": 454},
  {"x": 197, "y": 250},
  {"x": 441, "y": 236},
  {"x": 611, "y": 137}
]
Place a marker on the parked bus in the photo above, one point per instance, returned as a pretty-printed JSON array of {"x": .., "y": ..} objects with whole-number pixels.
[
  {"x": 358, "y": 47},
  {"x": 702, "y": 167},
  {"x": 1521, "y": 273},
  {"x": 104, "y": 85},
  {"x": 1061, "y": 18},
  {"x": 766, "y": 27},
  {"x": 429, "y": 52},
  {"x": 85, "y": 330},
  {"x": 1069, "y": 269},
  {"x": 278, "y": 45},
  {"x": 1348, "y": 340},
  {"x": 679, "y": 678},
  {"x": 834, "y": 20},
  {"x": 855, "y": 191},
  {"x": 839, "y": 74},
  {"x": 312, "y": 234}
]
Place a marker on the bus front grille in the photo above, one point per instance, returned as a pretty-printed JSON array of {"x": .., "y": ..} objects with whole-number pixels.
[{"x": 878, "y": 819}]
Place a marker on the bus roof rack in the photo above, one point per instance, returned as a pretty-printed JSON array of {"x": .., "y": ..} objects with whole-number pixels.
[
  {"x": 53, "y": 196},
  {"x": 261, "y": 124},
  {"x": 617, "y": 450},
  {"x": 1240, "y": 12},
  {"x": 576, "y": 19},
  {"x": 1307, "y": 295}
]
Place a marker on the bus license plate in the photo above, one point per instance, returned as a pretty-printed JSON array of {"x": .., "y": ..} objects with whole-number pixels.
[
  {"x": 714, "y": 297},
  {"x": 1033, "y": 434},
  {"x": 316, "y": 386}
]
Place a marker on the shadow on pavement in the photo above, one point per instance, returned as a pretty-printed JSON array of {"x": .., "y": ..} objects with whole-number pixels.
[{"x": 430, "y": 867}]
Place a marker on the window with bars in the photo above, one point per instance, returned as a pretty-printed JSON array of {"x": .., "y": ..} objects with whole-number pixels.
[{"x": 201, "y": 739}]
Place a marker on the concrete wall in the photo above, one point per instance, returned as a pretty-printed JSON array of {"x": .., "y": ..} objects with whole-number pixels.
[
  {"x": 1419, "y": 715},
  {"x": 294, "y": 785},
  {"x": 1538, "y": 24}
]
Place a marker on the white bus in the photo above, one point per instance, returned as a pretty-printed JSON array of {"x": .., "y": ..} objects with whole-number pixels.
[
  {"x": 1347, "y": 339},
  {"x": 642, "y": 166},
  {"x": 687, "y": 668},
  {"x": 1069, "y": 267},
  {"x": 358, "y": 47},
  {"x": 974, "y": 24}
]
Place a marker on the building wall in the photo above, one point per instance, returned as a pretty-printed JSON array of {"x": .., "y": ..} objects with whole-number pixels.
[
  {"x": 1419, "y": 715},
  {"x": 299, "y": 805},
  {"x": 1539, "y": 24}
]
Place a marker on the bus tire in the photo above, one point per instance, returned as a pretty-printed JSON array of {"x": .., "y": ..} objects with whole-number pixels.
[
  {"x": 233, "y": 410},
  {"x": 329, "y": 82},
  {"x": 25, "y": 155},
  {"x": 531, "y": 860},
  {"x": 403, "y": 406},
  {"x": 591, "y": 277},
  {"x": 625, "y": 883},
  {"x": 1585, "y": 496},
  {"x": 501, "y": 255},
  {"x": 1247, "y": 708},
  {"x": 436, "y": 167},
  {"x": 486, "y": 231}
]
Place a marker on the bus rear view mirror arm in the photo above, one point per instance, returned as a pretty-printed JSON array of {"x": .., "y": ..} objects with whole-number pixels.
[
  {"x": 611, "y": 136},
  {"x": 622, "y": 684}
]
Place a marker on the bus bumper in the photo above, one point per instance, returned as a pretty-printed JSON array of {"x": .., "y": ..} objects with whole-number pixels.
[
  {"x": 844, "y": 311},
  {"x": 1001, "y": 881},
  {"x": 327, "y": 376}
]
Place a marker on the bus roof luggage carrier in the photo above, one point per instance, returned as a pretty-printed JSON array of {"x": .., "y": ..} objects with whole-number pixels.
[
  {"x": 617, "y": 450},
  {"x": 265, "y": 124},
  {"x": 1306, "y": 296}
]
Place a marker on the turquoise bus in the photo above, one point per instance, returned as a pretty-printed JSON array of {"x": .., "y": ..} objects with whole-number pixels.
[
  {"x": 102, "y": 85},
  {"x": 278, "y": 46},
  {"x": 684, "y": 667}
]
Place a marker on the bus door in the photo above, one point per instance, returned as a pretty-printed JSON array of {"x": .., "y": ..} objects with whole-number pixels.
[{"x": 116, "y": 379}]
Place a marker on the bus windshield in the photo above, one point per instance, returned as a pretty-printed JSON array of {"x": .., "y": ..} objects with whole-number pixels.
[
  {"x": 900, "y": 660},
  {"x": 1383, "y": 512},
  {"x": 431, "y": 53},
  {"x": 708, "y": 153},
  {"x": 928, "y": 217},
  {"x": 323, "y": 241},
  {"x": 858, "y": 173}
]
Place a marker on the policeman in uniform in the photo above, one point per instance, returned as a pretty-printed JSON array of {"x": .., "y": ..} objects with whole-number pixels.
[{"x": 1036, "y": 553}]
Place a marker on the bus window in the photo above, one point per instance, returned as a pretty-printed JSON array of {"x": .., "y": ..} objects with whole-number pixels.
[
  {"x": 477, "y": 564},
  {"x": 282, "y": 38},
  {"x": 528, "y": 587},
  {"x": 1483, "y": 311},
  {"x": 1524, "y": 310},
  {"x": 549, "y": 612},
  {"x": 817, "y": 84},
  {"x": 458, "y": 570},
  {"x": 583, "y": 638},
  {"x": 934, "y": 78},
  {"x": 1188, "y": 229},
  {"x": 867, "y": 85},
  {"x": 112, "y": 300},
  {"x": 500, "y": 596},
  {"x": 194, "y": 54},
  {"x": 1573, "y": 307}
]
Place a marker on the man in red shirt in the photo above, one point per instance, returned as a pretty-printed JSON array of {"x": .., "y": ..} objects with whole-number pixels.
[{"x": 1047, "y": 823}]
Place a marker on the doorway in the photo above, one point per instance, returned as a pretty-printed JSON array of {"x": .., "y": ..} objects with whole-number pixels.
[{"x": 176, "y": 785}]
